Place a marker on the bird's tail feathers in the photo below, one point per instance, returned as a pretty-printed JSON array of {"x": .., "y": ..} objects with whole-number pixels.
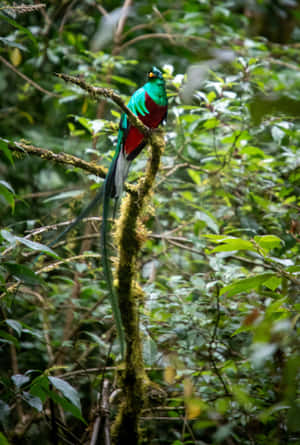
[
  {"x": 120, "y": 173},
  {"x": 109, "y": 186},
  {"x": 83, "y": 214}
]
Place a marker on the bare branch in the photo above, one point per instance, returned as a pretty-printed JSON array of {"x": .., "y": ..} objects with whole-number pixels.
[
  {"x": 101, "y": 9},
  {"x": 77, "y": 258},
  {"x": 34, "y": 84},
  {"x": 161, "y": 35},
  {"x": 121, "y": 24}
]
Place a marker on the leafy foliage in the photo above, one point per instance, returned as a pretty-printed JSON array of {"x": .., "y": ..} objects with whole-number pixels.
[{"x": 220, "y": 268}]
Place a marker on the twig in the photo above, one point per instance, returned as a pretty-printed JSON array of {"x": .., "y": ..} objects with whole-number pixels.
[
  {"x": 282, "y": 63},
  {"x": 66, "y": 15},
  {"x": 103, "y": 400},
  {"x": 121, "y": 23},
  {"x": 101, "y": 9},
  {"x": 137, "y": 27},
  {"x": 182, "y": 246},
  {"x": 35, "y": 232},
  {"x": 74, "y": 374},
  {"x": 165, "y": 24},
  {"x": 67, "y": 260},
  {"x": 34, "y": 84},
  {"x": 159, "y": 35},
  {"x": 105, "y": 409},
  {"x": 171, "y": 171}
]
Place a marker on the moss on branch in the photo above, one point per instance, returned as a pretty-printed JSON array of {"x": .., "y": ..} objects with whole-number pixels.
[
  {"x": 130, "y": 235},
  {"x": 60, "y": 158}
]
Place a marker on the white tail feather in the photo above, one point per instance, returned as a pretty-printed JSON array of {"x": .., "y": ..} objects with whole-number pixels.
[{"x": 121, "y": 173}]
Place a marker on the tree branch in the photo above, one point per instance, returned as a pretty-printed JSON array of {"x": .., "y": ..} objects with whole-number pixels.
[
  {"x": 61, "y": 158},
  {"x": 160, "y": 35},
  {"x": 34, "y": 84},
  {"x": 130, "y": 235}
]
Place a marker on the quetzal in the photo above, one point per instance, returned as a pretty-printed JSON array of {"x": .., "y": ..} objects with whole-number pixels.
[{"x": 150, "y": 104}]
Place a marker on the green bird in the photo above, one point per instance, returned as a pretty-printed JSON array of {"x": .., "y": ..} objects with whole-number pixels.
[{"x": 150, "y": 104}]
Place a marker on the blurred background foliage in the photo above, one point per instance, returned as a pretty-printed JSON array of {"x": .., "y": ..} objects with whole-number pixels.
[{"x": 220, "y": 270}]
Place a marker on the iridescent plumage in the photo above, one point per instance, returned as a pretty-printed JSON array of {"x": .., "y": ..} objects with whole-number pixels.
[{"x": 150, "y": 104}]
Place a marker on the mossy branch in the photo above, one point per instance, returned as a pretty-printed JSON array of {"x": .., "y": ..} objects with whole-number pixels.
[
  {"x": 64, "y": 158},
  {"x": 130, "y": 235},
  {"x": 60, "y": 158}
]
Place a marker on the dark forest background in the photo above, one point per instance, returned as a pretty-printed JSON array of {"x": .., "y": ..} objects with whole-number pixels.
[{"x": 218, "y": 275}]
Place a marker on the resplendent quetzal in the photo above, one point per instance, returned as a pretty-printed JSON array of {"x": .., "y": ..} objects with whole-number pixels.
[{"x": 150, "y": 104}]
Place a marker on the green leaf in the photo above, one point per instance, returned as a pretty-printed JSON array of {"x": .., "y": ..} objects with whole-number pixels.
[
  {"x": 21, "y": 28},
  {"x": 40, "y": 387},
  {"x": 67, "y": 390},
  {"x": 3, "y": 440},
  {"x": 273, "y": 282},
  {"x": 241, "y": 396},
  {"x": 8, "y": 186},
  {"x": 66, "y": 405},
  {"x": 293, "y": 269},
  {"x": 23, "y": 273},
  {"x": 211, "y": 123},
  {"x": 268, "y": 242},
  {"x": 33, "y": 401},
  {"x": 64, "y": 195},
  {"x": 8, "y": 338},
  {"x": 8, "y": 236},
  {"x": 124, "y": 80},
  {"x": 246, "y": 284},
  {"x": 115, "y": 114},
  {"x": 218, "y": 238},
  {"x": 196, "y": 177},
  {"x": 15, "y": 325},
  {"x": 102, "y": 345},
  {"x": 234, "y": 244},
  {"x": 36, "y": 246},
  {"x": 277, "y": 134},
  {"x": 262, "y": 352},
  {"x": 254, "y": 152},
  {"x": 150, "y": 351},
  {"x": 209, "y": 221},
  {"x": 4, "y": 148},
  {"x": 8, "y": 196},
  {"x": 20, "y": 379}
]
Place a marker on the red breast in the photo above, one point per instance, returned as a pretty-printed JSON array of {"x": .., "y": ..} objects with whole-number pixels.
[{"x": 152, "y": 120}]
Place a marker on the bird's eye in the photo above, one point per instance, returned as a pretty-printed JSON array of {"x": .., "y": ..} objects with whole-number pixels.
[{"x": 151, "y": 74}]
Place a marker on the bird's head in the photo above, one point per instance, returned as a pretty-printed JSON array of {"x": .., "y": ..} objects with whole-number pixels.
[{"x": 156, "y": 75}]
